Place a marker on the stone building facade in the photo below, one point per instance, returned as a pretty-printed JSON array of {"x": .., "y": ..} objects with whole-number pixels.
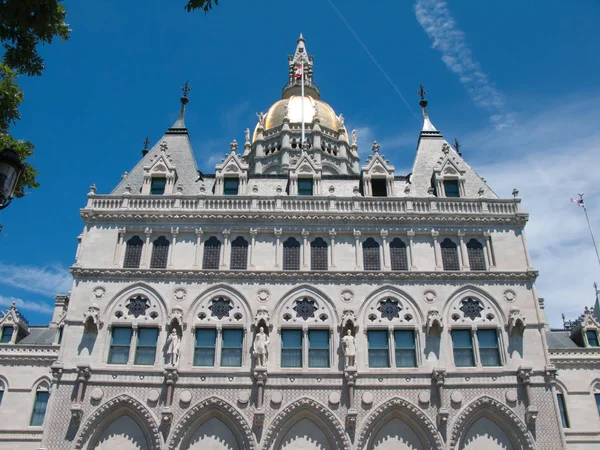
[{"x": 296, "y": 299}]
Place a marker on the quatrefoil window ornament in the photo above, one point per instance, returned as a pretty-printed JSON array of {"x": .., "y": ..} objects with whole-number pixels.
[
  {"x": 220, "y": 307},
  {"x": 138, "y": 306},
  {"x": 389, "y": 309},
  {"x": 305, "y": 308},
  {"x": 471, "y": 308}
]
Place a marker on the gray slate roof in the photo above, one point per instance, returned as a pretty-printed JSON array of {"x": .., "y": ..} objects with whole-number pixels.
[
  {"x": 39, "y": 336},
  {"x": 560, "y": 339}
]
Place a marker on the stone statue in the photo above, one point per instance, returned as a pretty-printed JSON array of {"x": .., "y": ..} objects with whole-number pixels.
[
  {"x": 173, "y": 344},
  {"x": 349, "y": 347},
  {"x": 353, "y": 137},
  {"x": 261, "y": 119},
  {"x": 341, "y": 119},
  {"x": 261, "y": 349},
  {"x": 286, "y": 111},
  {"x": 248, "y": 135}
]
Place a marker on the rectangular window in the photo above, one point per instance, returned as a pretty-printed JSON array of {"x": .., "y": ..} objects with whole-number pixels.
[
  {"x": 596, "y": 396},
  {"x": 119, "y": 345},
  {"x": 231, "y": 351},
  {"x": 204, "y": 350},
  {"x": 379, "y": 187},
  {"x": 7, "y": 333},
  {"x": 291, "y": 348},
  {"x": 488, "y": 348},
  {"x": 451, "y": 188},
  {"x": 305, "y": 186},
  {"x": 592, "y": 338},
  {"x": 462, "y": 344},
  {"x": 378, "y": 348},
  {"x": 564, "y": 417},
  {"x": 39, "y": 408},
  {"x": 2, "y": 395},
  {"x": 405, "y": 348},
  {"x": 157, "y": 185},
  {"x": 318, "y": 348},
  {"x": 231, "y": 186},
  {"x": 145, "y": 352},
  {"x": 60, "y": 335}
]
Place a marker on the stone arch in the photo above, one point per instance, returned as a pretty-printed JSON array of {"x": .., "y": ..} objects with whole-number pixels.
[
  {"x": 111, "y": 411},
  {"x": 138, "y": 288},
  {"x": 308, "y": 291},
  {"x": 212, "y": 408},
  {"x": 465, "y": 291},
  {"x": 310, "y": 410},
  {"x": 391, "y": 291},
  {"x": 397, "y": 408},
  {"x": 42, "y": 382},
  {"x": 488, "y": 409},
  {"x": 220, "y": 290}
]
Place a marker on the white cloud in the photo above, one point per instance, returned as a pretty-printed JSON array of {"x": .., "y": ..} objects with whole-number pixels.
[
  {"x": 550, "y": 158},
  {"x": 47, "y": 280},
  {"x": 27, "y": 305},
  {"x": 437, "y": 21}
]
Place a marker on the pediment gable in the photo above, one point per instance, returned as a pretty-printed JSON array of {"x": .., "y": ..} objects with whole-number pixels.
[
  {"x": 376, "y": 164},
  {"x": 233, "y": 163},
  {"x": 305, "y": 165}
]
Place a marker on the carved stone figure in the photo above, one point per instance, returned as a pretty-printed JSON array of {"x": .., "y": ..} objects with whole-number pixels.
[
  {"x": 341, "y": 119},
  {"x": 261, "y": 347},
  {"x": 173, "y": 345},
  {"x": 354, "y": 137},
  {"x": 261, "y": 119},
  {"x": 248, "y": 135},
  {"x": 349, "y": 347}
]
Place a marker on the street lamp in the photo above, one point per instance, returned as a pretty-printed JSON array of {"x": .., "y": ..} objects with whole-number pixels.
[{"x": 10, "y": 171}]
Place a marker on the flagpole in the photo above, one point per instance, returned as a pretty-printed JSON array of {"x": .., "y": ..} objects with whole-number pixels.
[
  {"x": 302, "y": 108},
  {"x": 591, "y": 231}
]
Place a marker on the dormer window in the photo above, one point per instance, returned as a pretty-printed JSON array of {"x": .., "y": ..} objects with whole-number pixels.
[
  {"x": 451, "y": 188},
  {"x": 379, "y": 187},
  {"x": 7, "y": 333},
  {"x": 157, "y": 186},
  {"x": 592, "y": 338},
  {"x": 231, "y": 186},
  {"x": 305, "y": 186}
]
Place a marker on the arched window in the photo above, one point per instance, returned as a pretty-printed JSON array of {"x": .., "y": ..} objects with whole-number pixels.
[
  {"x": 239, "y": 254},
  {"x": 1, "y": 391},
  {"x": 160, "y": 253},
  {"x": 291, "y": 254},
  {"x": 398, "y": 255},
  {"x": 212, "y": 253},
  {"x": 449, "y": 255},
  {"x": 318, "y": 254},
  {"x": 371, "y": 254},
  {"x": 133, "y": 252},
  {"x": 475, "y": 252},
  {"x": 40, "y": 404}
]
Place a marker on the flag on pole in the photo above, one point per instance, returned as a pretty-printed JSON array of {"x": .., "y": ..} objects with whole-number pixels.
[
  {"x": 299, "y": 71},
  {"x": 579, "y": 201}
]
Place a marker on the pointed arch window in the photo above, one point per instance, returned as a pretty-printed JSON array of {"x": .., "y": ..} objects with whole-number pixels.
[
  {"x": 475, "y": 252},
  {"x": 318, "y": 254},
  {"x": 1, "y": 391},
  {"x": 398, "y": 255},
  {"x": 291, "y": 254},
  {"x": 371, "y": 259},
  {"x": 133, "y": 253},
  {"x": 449, "y": 254},
  {"x": 40, "y": 404},
  {"x": 212, "y": 253},
  {"x": 160, "y": 253},
  {"x": 239, "y": 254}
]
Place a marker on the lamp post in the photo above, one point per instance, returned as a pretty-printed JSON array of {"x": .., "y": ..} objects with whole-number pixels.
[{"x": 10, "y": 171}]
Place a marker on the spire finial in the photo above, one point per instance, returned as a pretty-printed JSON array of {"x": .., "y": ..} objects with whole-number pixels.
[
  {"x": 301, "y": 38},
  {"x": 180, "y": 123},
  {"x": 186, "y": 89},
  {"x": 146, "y": 144},
  {"x": 233, "y": 145},
  {"x": 428, "y": 128},
  {"x": 457, "y": 147},
  {"x": 422, "y": 92}
]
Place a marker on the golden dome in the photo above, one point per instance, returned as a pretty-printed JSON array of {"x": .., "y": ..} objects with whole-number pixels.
[{"x": 326, "y": 114}]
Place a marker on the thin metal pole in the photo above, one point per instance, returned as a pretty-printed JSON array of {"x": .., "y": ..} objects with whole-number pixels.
[
  {"x": 302, "y": 108},
  {"x": 592, "y": 233}
]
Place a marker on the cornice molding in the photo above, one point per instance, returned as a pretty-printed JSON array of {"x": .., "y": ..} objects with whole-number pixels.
[
  {"x": 297, "y": 276},
  {"x": 29, "y": 354}
]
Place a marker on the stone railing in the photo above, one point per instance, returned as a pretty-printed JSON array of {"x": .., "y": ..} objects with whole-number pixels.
[{"x": 332, "y": 205}]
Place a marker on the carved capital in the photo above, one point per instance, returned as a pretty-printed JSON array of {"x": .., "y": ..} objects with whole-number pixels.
[
  {"x": 516, "y": 322},
  {"x": 84, "y": 372},
  {"x": 551, "y": 372},
  {"x": 435, "y": 325},
  {"x": 305, "y": 233},
  {"x": 76, "y": 412},
  {"x": 438, "y": 375},
  {"x": 122, "y": 232},
  {"x": 435, "y": 234},
  {"x": 384, "y": 234},
  {"x": 350, "y": 374},
  {"x": 260, "y": 375},
  {"x": 166, "y": 415},
  {"x": 57, "y": 370},
  {"x": 410, "y": 233},
  {"x": 174, "y": 231},
  {"x": 148, "y": 232},
  {"x": 226, "y": 233},
  {"x": 332, "y": 233},
  {"x": 531, "y": 414},
  {"x": 524, "y": 374},
  {"x": 199, "y": 232},
  {"x": 259, "y": 419},
  {"x": 356, "y": 234},
  {"x": 351, "y": 418},
  {"x": 253, "y": 232},
  {"x": 461, "y": 233},
  {"x": 171, "y": 375},
  {"x": 277, "y": 232}
]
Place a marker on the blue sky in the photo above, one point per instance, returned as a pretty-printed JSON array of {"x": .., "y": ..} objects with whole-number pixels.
[{"x": 516, "y": 83}]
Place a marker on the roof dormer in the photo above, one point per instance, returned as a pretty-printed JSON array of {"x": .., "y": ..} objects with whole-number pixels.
[
  {"x": 160, "y": 175},
  {"x": 305, "y": 176},
  {"x": 378, "y": 175},
  {"x": 449, "y": 174},
  {"x": 232, "y": 173},
  {"x": 13, "y": 326}
]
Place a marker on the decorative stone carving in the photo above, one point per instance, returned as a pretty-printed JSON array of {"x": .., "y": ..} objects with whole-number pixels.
[
  {"x": 99, "y": 292},
  {"x": 220, "y": 307},
  {"x": 334, "y": 398},
  {"x": 349, "y": 321},
  {"x": 349, "y": 347},
  {"x": 424, "y": 397},
  {"x": 97, "y": 394},
  {"x": 276, "y": 398},
  {"x": 367, "y": 398},
  {"x": 152, "y": 396},
  {"x": 511, "y": 396},
  {"x": 175, "y": 319},
  {"x": 137, "y": 306},
  {"x": 305, "y": 308},
  {"x": 347, "y": 295},
  {"x": 263, "y": 295},
  {"x": 471, "y": 308},
  {"x": 243, "y": 398},
  {"x": 510, "y": 295},
  {"x": 173, "y": 347},
  {"x": 262, "y": 318},
  {"x": 179, "y": 294},
  {"x": 516, "y": 322},
  {"x": 389, "y": 309},
  {"x": 91, "y": 320},
  {"x": 185, "y": 397},
  {"x": 429, "y": 296},
  {"x": 456, "y": 398},
  {"x": 435, "y": 324},
  {"x": 261, "y": 348}
]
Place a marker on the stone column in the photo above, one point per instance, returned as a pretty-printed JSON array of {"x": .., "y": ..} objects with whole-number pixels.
[
  {"x": 332, "y": 234},
  {"x": 464, "y": 260},
  {"x": 524, "y": 376},
  {"x": 84, "y": 372},
  {"x": 147, "y": 249},
  {"x": 437, "y": 252},
  {"x": 199, "y": 247},
  {"x": 384, "y": 252},
  {"x": 117, "y": 259},
  {"x": 134, "y": 332},
  {"x": 305, "y": 251},
  {"x": 277, "y": 246},
  {"x": 225, "y": 250},
  {"x": 489, "y": 249},
  {"x": 174, "y": 233},
  {"x": 171, "y": 375},
  {"x": 253, "y": 233},
  {"x": 357, "y": 262},
  {"x": 411, "y": 260},
  {"x": 351, "y": 374},
  {"x": 438, "y": 376}
]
